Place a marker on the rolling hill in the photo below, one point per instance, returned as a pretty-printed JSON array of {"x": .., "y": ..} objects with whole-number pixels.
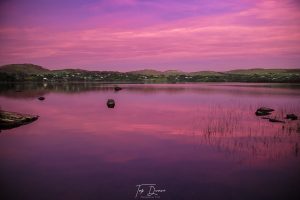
[
  {"x": 23, "y": 68},
  {"x": 31, "y": 72}
]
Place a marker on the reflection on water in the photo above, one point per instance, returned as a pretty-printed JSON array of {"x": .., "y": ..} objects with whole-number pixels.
[{"x": 197, "y": 141}]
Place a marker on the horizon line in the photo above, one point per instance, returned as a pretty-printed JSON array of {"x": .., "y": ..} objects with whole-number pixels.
[{"x": 153, "y": 69}]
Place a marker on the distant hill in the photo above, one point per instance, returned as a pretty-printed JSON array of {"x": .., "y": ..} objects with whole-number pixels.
[
  {"x": 156, "y": 72},
  {"x": 206, "y": 73},
  {"x": 146, "y": 72},
  {"x": 69, "y": 70},
  {"x": 174, "y": 72},
  {"x": 262, "y": 71},
  {"x": 30, "y": 72},
  {"x": 23, "y": 68},
  {"x": 215, "y": 73}
]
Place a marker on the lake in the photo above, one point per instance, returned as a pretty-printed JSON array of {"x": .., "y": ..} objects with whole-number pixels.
[{"x": 188, "y": 141}]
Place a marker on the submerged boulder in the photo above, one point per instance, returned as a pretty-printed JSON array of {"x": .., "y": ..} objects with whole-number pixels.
[
  {"x": 276, "y": 120},
  {"x": 291, "y": 116},
  {"x": 110, "y": 103},
  {"x": 273, "y": 120},
  {"x": 10, "y": 120}
]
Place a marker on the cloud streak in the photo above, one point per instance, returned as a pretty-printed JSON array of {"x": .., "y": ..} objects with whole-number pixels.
[{"x": 119, "y": 35}]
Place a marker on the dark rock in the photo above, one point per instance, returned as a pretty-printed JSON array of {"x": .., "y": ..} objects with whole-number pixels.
[
  {"x": 263, "y": 111},
  {"x": 276, "y": 120},
  {"x": 9, "y": 120},
  {"x": 291, "y": 116},
  {"x": 110, "y": 103},
  {"x": 41, "y": 98},
  {"x": 117, "y": 88}
]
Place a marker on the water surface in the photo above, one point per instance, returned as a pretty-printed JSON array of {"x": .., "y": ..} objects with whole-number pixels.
[{"x": 196, "y": 141}]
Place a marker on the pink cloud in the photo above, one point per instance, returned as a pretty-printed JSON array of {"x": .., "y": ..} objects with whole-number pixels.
[{"x": 270, "y": 28}]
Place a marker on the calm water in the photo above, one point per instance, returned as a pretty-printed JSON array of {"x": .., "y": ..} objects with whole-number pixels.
[{"x": 196, "y": 141}]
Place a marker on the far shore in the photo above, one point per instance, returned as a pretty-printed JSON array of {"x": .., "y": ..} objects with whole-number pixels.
[{"x": 35, "y": 73}]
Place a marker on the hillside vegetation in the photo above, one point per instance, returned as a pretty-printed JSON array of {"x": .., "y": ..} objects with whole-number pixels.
[{"x": 30, "y": 72}]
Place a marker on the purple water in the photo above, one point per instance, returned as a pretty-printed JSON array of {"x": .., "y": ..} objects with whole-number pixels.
[{"x": 195, "y": 141}]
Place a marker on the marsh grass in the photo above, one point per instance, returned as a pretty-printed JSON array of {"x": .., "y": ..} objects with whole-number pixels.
[{"x": 236, "y": 131}]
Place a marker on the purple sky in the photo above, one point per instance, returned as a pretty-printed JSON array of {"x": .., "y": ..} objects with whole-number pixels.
[{"x": 187, "y": 35}]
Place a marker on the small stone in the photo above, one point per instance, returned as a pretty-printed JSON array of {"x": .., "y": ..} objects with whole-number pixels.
[
  {"x": 291, "y": 116},
  {"x": 41, "y": 98},
  {"x": 117, "y": 88},
  {"x": 110, "y": 103},
  {"x": 263, "y": 111}
]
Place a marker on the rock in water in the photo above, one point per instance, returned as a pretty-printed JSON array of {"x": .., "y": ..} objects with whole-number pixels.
[
  {"x": 41, "y": 98},
  {"x": 10, "y": 120},
  {"x": 265, "y": 109},
  {"x": 117, "y": 88},
  {"x": 291, "y": 116},
  {"x": 110, "y": 103},
  {"x": 275, "y": 120},
  {"x": 262, "y": 111}
]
